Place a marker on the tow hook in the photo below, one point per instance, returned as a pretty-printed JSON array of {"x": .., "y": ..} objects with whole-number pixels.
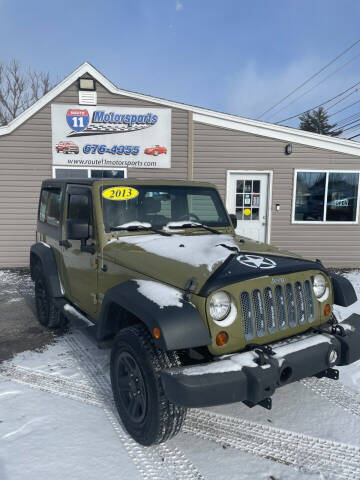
[
  {"x": 336, "y": 328},
  {"x": 263, "y": 352}
]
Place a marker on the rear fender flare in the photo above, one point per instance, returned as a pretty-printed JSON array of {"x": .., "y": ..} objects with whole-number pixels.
[
  {"x": 181, "y": 326},
  {"x": 42, "y": 254}
]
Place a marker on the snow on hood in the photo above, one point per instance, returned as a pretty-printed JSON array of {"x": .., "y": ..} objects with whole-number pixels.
[
  {"x": 161, "y": 294},
  {"x": 195, "y": 250}
]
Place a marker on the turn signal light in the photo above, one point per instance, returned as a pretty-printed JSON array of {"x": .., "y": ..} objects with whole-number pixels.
[
  {"x": 327, "y": 309},
  {"x": 222, "y": 338},
  {"x": 156, "y": 332}
]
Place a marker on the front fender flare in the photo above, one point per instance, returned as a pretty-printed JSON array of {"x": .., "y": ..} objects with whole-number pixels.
[
  {"x": 344, "y": 292},
  {"x": 181, "y": 326}
]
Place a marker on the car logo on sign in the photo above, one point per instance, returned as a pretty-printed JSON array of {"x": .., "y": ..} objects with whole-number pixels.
[
  {"x": 256, "y": 261},
  {"x": 77, "y": 119}
]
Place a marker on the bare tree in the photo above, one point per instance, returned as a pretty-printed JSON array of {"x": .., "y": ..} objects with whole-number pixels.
[{"x": 19, "y": 88}]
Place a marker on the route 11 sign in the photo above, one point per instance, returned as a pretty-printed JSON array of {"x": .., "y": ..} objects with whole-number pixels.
[{"x": 77, "y": 119}]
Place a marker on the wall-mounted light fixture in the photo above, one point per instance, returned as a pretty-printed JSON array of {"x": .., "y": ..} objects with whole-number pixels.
[
  {"x": 288, "y": 149},
  {"x": 87, "y": 84}
]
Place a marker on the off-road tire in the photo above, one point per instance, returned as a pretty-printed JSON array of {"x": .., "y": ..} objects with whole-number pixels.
[
  {"x": 158, "y": 419},
  {"x": 47, "y": 314}
]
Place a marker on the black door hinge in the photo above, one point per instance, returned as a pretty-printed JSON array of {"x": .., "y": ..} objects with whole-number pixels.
[{"x": 189, "y": 288}]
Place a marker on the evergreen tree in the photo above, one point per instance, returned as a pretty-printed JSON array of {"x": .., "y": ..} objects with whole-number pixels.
[{"x": 317, "y": 121}]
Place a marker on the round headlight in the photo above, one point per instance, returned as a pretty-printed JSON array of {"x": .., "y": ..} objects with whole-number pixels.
[
  {"x": 319, "y": 285},
  {"x": 220, "y": 304}
]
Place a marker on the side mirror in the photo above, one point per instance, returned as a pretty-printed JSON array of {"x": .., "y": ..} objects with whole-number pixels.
[
  {"x": 77, "y": 229},
  {"x": 233, "y": 219}
]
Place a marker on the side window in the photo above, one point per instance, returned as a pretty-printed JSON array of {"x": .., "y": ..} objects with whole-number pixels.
[
  {"x": 53, "y": 207},
  {"x": 50, "y": 206},
  {"x": 43, "y": 203},
  {"x": 79, "y": 207}
]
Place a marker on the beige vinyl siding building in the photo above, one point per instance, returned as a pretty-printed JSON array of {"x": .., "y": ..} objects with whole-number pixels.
[
  {"x": 218, "y": 150},
  {"x": 244, "y": 158}
]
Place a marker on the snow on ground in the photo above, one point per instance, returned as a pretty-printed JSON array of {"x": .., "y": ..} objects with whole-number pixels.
[
  {"x": 350, "y": 375},
  {"x": 46, "y": 435}
]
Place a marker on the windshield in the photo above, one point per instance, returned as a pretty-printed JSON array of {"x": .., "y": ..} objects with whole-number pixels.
[{"x": 160, "y": 205}]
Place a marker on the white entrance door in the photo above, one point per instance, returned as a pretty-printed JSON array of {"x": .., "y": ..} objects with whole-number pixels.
[{"x": 248, "y": 199}]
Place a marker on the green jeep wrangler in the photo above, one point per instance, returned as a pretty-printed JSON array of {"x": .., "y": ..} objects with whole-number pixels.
[{"x": 195, "y": 315}]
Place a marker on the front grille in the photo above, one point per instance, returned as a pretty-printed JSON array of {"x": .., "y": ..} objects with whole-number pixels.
[
  {"x": 279, "y": 308},
  {"x": 247, "y": 315},
  {"x": 270, "y": 310},
  {"x": 259, "y": 313}
]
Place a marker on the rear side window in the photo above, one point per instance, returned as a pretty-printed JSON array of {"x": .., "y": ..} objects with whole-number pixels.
[{"x": 50, "y": 206}]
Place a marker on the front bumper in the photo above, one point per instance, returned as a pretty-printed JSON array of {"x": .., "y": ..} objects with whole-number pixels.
[{"x": 243, "y": 377}]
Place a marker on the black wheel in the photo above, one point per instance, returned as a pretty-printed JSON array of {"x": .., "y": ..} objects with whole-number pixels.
[
  {"x": 47, "y": 314},
  {"x": 135, "y": 368}
]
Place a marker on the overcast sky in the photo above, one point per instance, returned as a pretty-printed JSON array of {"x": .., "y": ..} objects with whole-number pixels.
[{"x": 237, "y": 56}]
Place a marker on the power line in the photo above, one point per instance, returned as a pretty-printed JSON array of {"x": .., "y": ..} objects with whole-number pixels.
[
  {"x": 346, "y": 124},
  {"x": 324, "y": 103},
  {"x": 357, "y": 135},
  {"x": 310, "y": 78},
  {"x": 347, "y": 119},
  {"x": 342, "y": 99},
  {"x": 317, "y": 84},
  {"x": 345, "y": 108},
  {"x": 350, "y": 128}
]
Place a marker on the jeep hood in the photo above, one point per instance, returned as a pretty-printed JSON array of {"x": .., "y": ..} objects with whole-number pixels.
[{"x": 214, "y": 260}]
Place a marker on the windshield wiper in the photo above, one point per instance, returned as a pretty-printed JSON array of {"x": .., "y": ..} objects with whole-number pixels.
[
  {"x": 140, "y": 228},
  {"x": 194, "y": 225}
]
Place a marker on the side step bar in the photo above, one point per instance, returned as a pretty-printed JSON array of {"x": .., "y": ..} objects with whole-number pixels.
[{"x": 75, "y": 316}]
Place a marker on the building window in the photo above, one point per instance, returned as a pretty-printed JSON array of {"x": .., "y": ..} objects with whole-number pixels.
[
  {"x": 107, "y": 174},
  {"x": 326, "y": 197},
  {"x": 73, "y": 172}
]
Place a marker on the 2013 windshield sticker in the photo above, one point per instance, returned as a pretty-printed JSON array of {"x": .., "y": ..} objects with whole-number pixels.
[
  {"x": 256, "y": 261},
  {"x": 120, "y": 193}
]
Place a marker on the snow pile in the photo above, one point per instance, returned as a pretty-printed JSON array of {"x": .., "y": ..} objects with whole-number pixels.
[
  {"x": 233, "y": 363},
  {"x": 236, "y": 362},
  {"x": 135, "y": 223},
  {"x": 194, "y": 250},
  {"x": 161, "y": 294},
  {"x": 14, "y": 285}
]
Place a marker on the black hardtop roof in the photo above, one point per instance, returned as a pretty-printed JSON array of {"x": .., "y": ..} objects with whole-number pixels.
[{"x": 60, "y": 182}]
